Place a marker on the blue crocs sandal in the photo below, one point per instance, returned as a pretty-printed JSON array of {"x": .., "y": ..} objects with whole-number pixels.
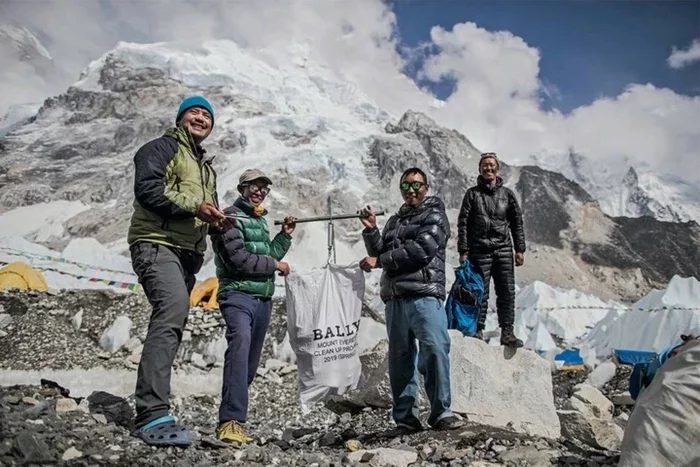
[{"x": 164, "y": 431}]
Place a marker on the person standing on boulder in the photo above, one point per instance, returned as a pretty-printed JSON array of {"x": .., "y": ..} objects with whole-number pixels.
[
  {"x": 175, "y": 204},
  {"x": 246, "y": 261},
  {"x": 411, "y": 253},
  {"x": 489, "y": 216}
]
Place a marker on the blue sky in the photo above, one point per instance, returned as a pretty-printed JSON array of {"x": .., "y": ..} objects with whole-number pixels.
[{"x": 589, "y": 49}]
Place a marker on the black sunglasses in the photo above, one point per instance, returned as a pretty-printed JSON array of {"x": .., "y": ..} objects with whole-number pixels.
[{"x": 415, "y": 185}]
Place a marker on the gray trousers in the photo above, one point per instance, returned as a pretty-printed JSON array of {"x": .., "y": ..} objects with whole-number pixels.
[{"x": 167, "y": 276}]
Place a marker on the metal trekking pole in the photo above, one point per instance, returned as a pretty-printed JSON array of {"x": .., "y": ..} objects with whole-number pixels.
[{"x": 329, "y": 218}]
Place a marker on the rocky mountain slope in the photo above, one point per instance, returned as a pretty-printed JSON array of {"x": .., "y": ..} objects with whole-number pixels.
[
  {"x": 629, "y": 191},
  {"x": 319, "y": 138}
]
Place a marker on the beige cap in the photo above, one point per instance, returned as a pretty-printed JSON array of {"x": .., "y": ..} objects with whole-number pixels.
[{"x": 253, "y": 174}]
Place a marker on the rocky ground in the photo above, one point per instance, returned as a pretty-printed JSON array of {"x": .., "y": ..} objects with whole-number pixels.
[
  {"x": 44, "y": 424},
  {"x": 39, "y": 426}
]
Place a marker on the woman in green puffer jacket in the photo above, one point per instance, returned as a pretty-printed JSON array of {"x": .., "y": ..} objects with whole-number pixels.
[{"x": 246, "y": 261}]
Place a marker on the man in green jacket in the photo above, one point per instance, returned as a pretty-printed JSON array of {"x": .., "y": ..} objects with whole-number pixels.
[
  {"x": 246, "y": 260},
  {"x": 175, "y": 203}
]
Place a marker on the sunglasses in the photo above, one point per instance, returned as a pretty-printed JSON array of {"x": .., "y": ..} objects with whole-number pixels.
[
  {"x": 405, "y": 186},
  {"x": 256, "y": 189}
]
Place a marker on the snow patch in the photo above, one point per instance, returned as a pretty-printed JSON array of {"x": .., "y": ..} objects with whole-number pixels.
[{"x": 39, "y": 222}]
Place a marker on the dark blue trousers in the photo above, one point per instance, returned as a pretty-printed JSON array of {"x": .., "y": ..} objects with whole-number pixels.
[{"x": 247, "y": 319}]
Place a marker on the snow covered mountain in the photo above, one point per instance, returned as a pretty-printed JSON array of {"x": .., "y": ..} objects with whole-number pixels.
[
  {"x": 68, "y": 171},
  {"x": 629, "y": 191},
  {"x": 25, "y": 64}
]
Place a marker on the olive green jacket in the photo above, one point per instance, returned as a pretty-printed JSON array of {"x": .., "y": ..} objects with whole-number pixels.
[{"x": 173, "y": 177}]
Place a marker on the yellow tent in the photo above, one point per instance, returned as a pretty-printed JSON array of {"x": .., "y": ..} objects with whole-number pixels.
[
  {"x": 204, "y": 294},
  {"x": 19, "y": 275}
]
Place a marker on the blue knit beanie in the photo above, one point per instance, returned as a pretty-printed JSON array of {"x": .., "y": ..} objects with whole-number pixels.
[{"x": 195, "y": 101}]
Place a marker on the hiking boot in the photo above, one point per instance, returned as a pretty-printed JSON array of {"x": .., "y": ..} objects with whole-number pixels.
[
  {"x": 509, "y": 339},
  {"x": 479, "y": 335},
  {"x": 232, "y": 432},
  {"x": 449, "y": 423},
  {"x": 402, "y": 429}
]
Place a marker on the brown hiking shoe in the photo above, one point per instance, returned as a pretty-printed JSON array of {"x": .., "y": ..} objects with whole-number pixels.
[{"x": 509, "y": 339}]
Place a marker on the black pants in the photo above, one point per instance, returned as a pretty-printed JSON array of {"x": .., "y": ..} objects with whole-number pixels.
[
  {"x": 498, "y": 265},
  {"x": 167, "y": 276}
]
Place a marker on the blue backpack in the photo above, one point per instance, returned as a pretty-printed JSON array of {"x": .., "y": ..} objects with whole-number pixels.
[{"x": 464, "y": 301}]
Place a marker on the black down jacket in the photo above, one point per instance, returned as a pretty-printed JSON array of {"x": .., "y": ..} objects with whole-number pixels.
[
  {"x": 411, "y": 251},
  {"x": 488, "y": 216}
]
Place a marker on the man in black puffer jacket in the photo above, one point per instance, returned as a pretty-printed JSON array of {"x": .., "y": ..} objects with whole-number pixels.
[
  {"x": 490, "y": 214},
  {"x": 411, "y": 253}
]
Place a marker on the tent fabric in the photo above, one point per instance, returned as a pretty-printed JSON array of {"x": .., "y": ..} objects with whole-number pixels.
[
  {"x": 18, "y": 275},
  {"x": 663, "y": 429},
  {"x": 204, "y": 294},
  {"x": 632, "y": 357},
  {"x": 572, "y": 367},
  {"x": 570, "y": 357}
]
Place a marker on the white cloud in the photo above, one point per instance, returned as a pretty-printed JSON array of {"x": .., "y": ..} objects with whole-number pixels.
[
  {"x": 498, "y": 88},
  {"x": 680, "y": 58}
]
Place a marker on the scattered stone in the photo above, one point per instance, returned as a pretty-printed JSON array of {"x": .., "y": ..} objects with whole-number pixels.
[
  {"x": 31, "y": 447},
  {"x": 71, "y": 454},
  {"x": 328, "y": 439},
  {"x": 452, "y": 454},
  {"x": 5, "y": 320},
  {"x": 115, "y": 409},
  {"x": 100, "y": 418},
  {"x": 30, "y": 401},
  {"x": 367, "y": 456},
  {"x": 198, "y": 361},
  {"x": 12, "y": 400},
  {"x": 52, "y": 385},
  {"x": 352, "y": 445},
  {"x": 287, "y": 370},
  {"x": 133, "y": 344},
  {"x": 623, "y": 398},
  {"x": 602, "y": 374},
  {"x": 117, "y": 335},
  {"x": 84, "y": 405},
  {"x": 595, "y": 432},
  {"x": 385, "y": 456},
  {"x": 66, "y": 405}
]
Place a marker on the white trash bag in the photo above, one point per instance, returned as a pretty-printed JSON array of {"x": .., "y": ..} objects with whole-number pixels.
[
  {"x": 664, "y": 428},
  {"x": 323, "y": 322}
]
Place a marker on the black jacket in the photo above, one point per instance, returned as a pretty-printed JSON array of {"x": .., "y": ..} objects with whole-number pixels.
[
  {"x": 489, "y": 215},
  {"x": 411, "y": 251}
]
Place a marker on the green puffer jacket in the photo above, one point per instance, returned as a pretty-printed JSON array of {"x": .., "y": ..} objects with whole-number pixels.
[
  {"x": 245, "y": 257},
  {"x": 172, "y": 178}
]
